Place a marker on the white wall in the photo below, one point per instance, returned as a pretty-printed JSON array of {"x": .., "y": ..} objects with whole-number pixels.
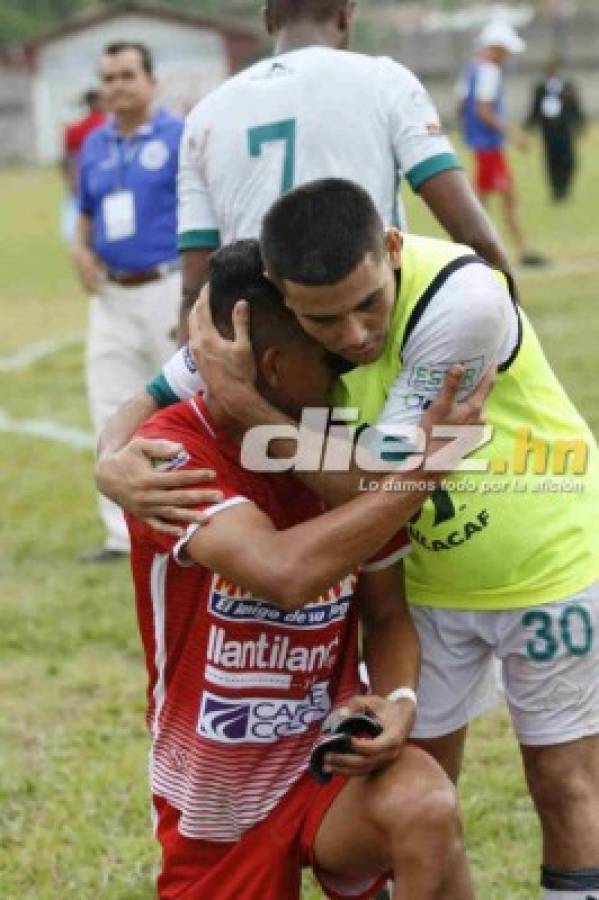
[
  {"x": 16, "y": 124},
  {"x": 189, "y": 63}
]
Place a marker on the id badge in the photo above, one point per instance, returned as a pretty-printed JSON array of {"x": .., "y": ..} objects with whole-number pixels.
[{"x": 118, "y": 210}]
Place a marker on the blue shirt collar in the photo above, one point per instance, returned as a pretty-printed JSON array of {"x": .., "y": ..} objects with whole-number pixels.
[{"x": 146, "y": 130}]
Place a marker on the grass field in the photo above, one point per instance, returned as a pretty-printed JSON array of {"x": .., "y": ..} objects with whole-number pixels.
[{"x": 73, "y": 795}]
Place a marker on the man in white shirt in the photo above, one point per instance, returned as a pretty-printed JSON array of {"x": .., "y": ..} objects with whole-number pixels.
[{"x": 316, "y": 110}]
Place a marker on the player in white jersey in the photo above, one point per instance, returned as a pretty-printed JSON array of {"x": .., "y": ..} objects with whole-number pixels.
[
  {"x": 315, "y": 110},
  {"x": 281, "y": 123}
]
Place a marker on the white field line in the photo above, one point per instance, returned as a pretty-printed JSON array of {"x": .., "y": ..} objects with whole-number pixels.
[
  {"x": 50, "y": 431},
  {"x": 33, "y": 352},
  {"x": 40, "y": 428}
]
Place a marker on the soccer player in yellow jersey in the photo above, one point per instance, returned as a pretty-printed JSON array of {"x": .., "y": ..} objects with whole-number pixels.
[{"x": 505, "y": 568}]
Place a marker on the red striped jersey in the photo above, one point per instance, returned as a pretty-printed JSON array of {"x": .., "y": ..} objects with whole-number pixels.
[{"x": 238, "y": 687}]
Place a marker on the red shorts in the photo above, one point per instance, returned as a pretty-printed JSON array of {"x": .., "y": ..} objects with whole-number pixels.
[
  {"x": 492, "y": 172},
  {"x": 265, "y": 864}
]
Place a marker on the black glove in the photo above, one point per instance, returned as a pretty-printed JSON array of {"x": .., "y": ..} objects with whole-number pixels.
[{"x": 337, "y": 732}]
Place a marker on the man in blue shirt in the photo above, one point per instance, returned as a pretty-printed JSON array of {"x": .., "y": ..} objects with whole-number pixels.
[
  {"x": 125, "y": 250},
  {"x": 486, "y": 129}
]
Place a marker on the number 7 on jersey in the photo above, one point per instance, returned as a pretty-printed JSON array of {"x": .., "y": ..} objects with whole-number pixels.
[{"x": 276, "y": 131}]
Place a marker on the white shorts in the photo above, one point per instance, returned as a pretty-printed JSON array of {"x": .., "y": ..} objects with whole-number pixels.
[{"x": 547, "y": 658}]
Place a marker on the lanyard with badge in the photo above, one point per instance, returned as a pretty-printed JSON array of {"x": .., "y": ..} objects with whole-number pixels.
[{"x": 118, "y": 207}]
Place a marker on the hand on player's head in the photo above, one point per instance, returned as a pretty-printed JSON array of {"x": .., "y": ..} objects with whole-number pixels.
[
  {"x": 213, "y": 352},
  {"x": 244, "y": 338}
]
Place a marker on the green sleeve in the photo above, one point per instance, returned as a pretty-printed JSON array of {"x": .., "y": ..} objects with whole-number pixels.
[
  {"x": 161, "y": 392},
  {"x": 443, "y": 162},
  {"x": 202, "y": 239}
]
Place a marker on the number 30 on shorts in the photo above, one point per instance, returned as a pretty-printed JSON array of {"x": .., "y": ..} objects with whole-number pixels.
[{"x": 572, "y": 628}]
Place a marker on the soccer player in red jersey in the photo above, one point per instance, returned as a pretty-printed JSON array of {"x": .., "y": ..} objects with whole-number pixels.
[{"x": 249, "y": 625}]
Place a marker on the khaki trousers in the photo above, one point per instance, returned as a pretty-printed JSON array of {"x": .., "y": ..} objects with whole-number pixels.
[{"x": 131, "y": 334}]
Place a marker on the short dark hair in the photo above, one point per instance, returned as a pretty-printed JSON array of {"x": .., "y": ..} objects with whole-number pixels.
[
  {"x": 147, "y": 63},
  {"x": 91, "y": 98},
  {"x": 236, "y": 272},
  {"x": 284, "y": 11},
  {"x": 318, "y": 233}
]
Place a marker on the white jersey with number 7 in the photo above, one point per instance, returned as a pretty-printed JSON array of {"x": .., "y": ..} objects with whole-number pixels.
[{"x": 311, "y": 113}]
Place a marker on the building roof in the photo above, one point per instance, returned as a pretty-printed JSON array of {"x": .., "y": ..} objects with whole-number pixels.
[
  {"x": 83, "y": 21},
  {"x": 246, "y": 40}
]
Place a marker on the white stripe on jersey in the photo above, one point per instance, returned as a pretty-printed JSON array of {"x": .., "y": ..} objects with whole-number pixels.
[
  {"x": 202, "y": 418},
  {"x": 245, "y": 680},
  {"x": 158, "y": 592},
  {"x": 178, "y": 550}
]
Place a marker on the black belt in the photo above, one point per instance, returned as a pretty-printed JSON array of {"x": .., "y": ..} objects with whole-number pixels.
[{"x": 135, "y": 279}]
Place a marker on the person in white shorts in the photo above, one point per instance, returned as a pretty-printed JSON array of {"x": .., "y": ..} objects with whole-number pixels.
[
  {"x": 458, "y": 679},
  {"x": 505, "y": 556}
]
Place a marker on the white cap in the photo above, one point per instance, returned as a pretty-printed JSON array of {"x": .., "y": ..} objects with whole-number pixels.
[{"x": 501, "y": 34}]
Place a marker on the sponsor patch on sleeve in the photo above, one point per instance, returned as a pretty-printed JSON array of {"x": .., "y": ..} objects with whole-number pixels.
[
  {"x": 428, "y": 378},
  {"x": 168, "y": 465}
]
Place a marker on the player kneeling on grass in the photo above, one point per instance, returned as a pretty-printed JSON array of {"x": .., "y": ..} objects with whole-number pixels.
[{"x": 249, "y": 624}]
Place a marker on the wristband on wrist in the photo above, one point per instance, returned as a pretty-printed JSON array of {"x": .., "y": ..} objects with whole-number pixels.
[{"x": 403, "y": 693}]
